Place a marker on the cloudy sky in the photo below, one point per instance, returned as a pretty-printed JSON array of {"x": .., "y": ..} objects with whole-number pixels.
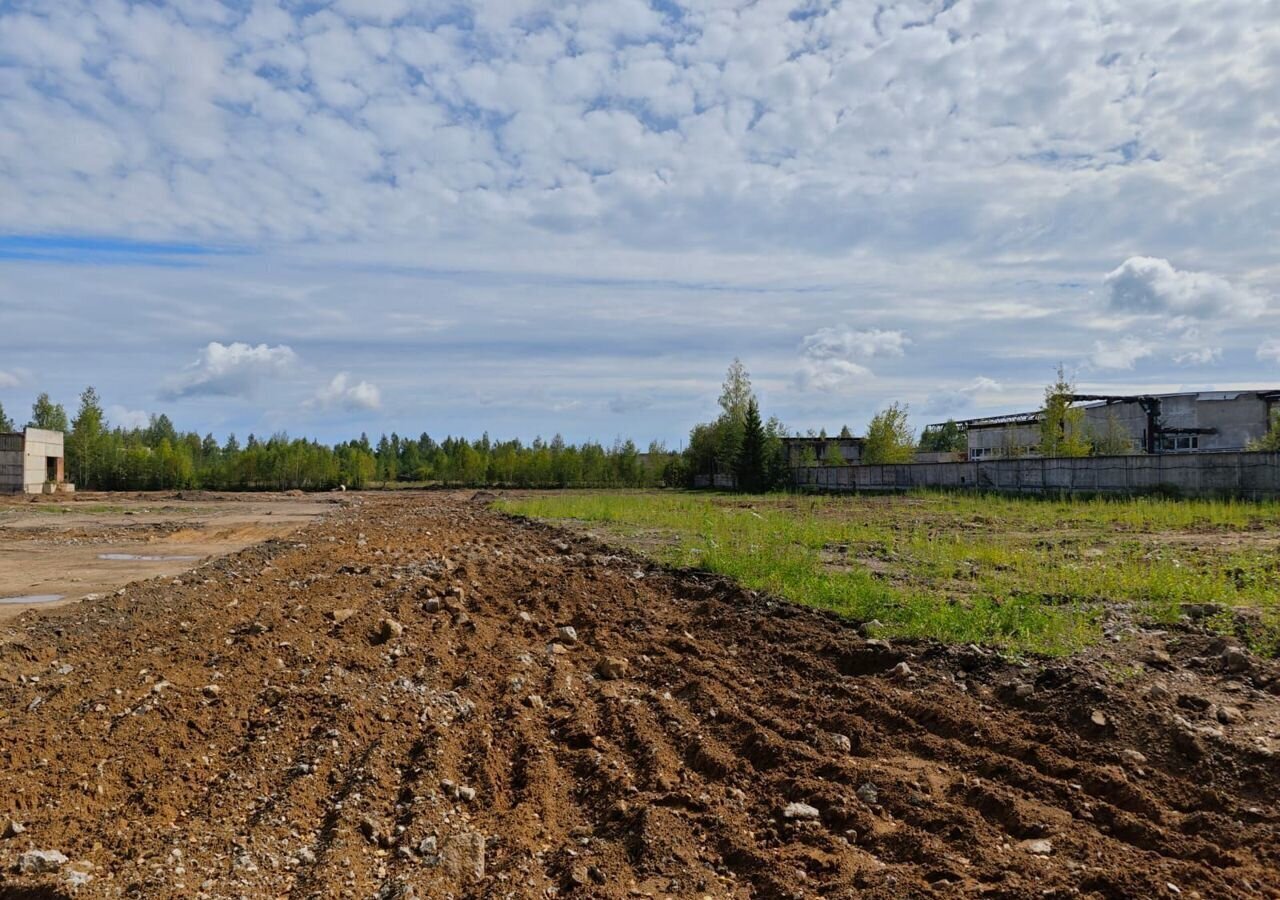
[{"x": 531, "y": 217}]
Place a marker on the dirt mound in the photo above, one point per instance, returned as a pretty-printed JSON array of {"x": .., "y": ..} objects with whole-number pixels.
[{"x": 419, "y": 697}]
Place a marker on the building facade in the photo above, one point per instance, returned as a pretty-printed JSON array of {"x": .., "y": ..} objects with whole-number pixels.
[
  {"x": 1150, "y": 423},
  {"x": 32, "y": 462},
  {"x": 836, "y": 451}
]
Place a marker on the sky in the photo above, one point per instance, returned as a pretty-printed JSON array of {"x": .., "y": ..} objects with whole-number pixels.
[{"x": 535, "y": 217}]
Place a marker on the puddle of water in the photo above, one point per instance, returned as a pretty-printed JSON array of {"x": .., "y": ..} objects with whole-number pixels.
[
  {"x": 139, "y": 557},
  {"x": 32, "y": 598}
]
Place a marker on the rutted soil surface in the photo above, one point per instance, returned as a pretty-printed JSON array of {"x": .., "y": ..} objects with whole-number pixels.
[{"x": 391, "y": 704}]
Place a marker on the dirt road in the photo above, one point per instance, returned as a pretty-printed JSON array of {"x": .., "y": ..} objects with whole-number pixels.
[{"x": 416, "y": 697}]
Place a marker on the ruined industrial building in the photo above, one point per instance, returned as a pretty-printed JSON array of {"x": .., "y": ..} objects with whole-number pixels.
[
  {"x": 1149, "y": 423},
  {"x": 32, "y": 462}
]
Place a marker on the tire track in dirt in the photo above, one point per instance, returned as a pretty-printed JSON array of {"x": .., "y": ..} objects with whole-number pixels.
[{"x": 386, "y": 705}]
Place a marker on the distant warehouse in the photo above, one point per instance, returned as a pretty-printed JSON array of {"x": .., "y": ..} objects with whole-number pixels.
[
  {"x": 1143, "y": 423},
  {"x": 31, "y": 462}
]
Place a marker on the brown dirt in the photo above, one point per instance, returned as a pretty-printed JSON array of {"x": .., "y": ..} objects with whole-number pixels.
[
  {"x": 53, "y": 545},
  {"x": 225, "y": 737}
]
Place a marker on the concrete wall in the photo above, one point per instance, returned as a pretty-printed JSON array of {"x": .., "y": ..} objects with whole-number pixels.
[
  {"x": 1251, "y": 475},
  {"x": 1238, "y": 417}
]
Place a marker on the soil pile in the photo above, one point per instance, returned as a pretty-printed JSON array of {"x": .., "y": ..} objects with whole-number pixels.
[{"x": 417, "y": 697}]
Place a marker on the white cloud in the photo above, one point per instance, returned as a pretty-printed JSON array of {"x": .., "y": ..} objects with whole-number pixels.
[
  {"x": 1269, "y": 350},
  {"x": 1144, "y": 284},
  {"x": 230, "y": 370},
  {"x": 832, "y": 358},
  {"x": 1121, "y": 354},
  {"x": 426, "y": 188},
  {"x": 1199, "y": 356},
  {"x": 343, "y": 393},
  {"x": 844, "y": 343},
  {"x": 953, "y": 399},
  {"x": 127, "y": 418},
  {"x": 9, "y": 379}
]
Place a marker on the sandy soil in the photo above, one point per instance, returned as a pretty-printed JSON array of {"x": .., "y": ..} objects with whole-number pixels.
[
  {"x": 387, "y": 705},
  {"x": 54, "y": 546}
]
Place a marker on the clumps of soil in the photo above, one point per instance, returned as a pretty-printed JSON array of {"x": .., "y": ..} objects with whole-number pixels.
[{"x": 417, "y": 697}]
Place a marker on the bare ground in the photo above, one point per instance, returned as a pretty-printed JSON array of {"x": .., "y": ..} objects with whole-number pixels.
[
  {"x": 55, "y": 545},
  {"x": 383, "y": 705}
]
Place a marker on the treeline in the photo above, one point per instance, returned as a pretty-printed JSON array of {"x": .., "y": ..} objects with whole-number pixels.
[{"x": 159, "y": 457}]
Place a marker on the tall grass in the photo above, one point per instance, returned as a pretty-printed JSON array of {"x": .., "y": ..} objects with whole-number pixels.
[{"x": 1026, "y": 575}]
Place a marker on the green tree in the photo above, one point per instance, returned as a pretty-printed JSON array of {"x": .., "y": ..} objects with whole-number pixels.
[
  {"x": 845, "y": 433},
  {"x": 889, "y": 437},
  {"x": 83, "y": 449},
  {"x": 735, "y": 394},
  {"x": 751, "y": 461},
  {"x": 6, "y": 424},
  {"x": 1270, "y": 442},
  {"x": 1061, "y": 424},
  {"x": 776, "y": 473},
  {"x": 47, "y": 414},
  {"x": 948, "y": 437}
]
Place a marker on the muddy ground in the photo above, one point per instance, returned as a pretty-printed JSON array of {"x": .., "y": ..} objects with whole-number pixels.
[
  {"x": 92, "y": 543},
  {"x": 389, "y": 703}
]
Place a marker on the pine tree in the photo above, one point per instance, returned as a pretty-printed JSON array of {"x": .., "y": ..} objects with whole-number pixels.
[
  {"x": 751, "y": 461},
  {"x": 6, "y": 424}
]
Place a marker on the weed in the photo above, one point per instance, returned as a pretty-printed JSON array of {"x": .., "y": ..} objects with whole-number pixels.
[{"x": 1029, "y": 575}]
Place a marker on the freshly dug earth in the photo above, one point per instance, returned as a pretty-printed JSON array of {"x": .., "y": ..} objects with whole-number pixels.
[{"x": 417, "y": 697}]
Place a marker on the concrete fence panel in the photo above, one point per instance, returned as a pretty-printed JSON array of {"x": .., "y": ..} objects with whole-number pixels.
[{"x": 1235, "y": 474}]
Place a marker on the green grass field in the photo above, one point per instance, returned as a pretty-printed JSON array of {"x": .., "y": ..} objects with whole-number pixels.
[{"x": 1028, "y": 575}]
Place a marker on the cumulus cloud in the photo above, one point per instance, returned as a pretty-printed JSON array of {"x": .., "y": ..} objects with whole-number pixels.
[
  {"x": 1145, "y": 284},
  {"x": 374, "y": 118},
  {"x": 1269, "y": 350},
  {"x": 127, "y": 418},
  {"x": 1199, "y": 356},
  {"x": 9, "y": 379},
  {"x": 230, "y": 370},
  {"x": 896, "y": 163},
  {"x": 343, "y": 393},
  {"x": 835, "y": 357},
  {"x": 1121, "y": 354}
]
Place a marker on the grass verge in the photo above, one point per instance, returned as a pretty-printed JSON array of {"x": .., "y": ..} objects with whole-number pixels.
[{"x": 1025, "y": 575}]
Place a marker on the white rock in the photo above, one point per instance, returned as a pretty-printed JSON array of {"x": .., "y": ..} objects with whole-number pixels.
[
  {"x": 36, "y": 862},
  {"x": 799, "y": 811}
]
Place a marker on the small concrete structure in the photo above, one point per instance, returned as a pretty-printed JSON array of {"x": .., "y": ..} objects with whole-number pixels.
[{"x": 32, "y": 462}]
